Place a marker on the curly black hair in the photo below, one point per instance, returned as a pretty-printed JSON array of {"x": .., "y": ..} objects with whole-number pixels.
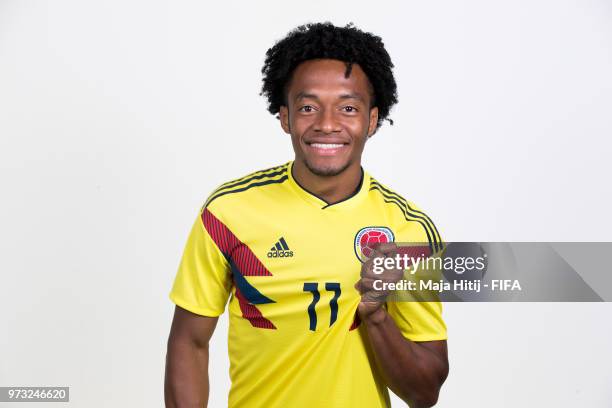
[{"x": 324, "y": 40}]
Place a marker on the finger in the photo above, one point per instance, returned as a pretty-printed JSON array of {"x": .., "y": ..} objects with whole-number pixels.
[
  {"x": 379, "y": 268},
  {"x": 386, "y": 277},
  {"x": 374, "y": 296},
  {"x": 376, "y": 253},
  {"x": 385, "y": 247},
  {"x": 366, "y": 284},
  {"x": 374, "y": 271},
  {"x": 358, "y": 286},
  {"x": 388, "y": 251},
  {"x": 369, "y": 273},
  {"x": 392, "y": 276},
  {"x": 368, "y": 265},
  {"x": 367, "y": 269}
]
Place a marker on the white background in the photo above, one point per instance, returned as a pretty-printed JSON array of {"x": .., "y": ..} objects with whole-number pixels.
[{"x": 117, "y": 118}]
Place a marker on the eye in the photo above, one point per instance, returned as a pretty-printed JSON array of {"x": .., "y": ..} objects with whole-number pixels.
[
  {"x": 306, "y": 108},
  {"x": 349, "y": 109}
]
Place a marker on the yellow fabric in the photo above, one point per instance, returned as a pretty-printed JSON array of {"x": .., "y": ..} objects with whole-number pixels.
[{"x": 292, "y": 365}]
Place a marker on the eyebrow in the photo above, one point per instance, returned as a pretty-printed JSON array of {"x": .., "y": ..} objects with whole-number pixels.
[{"x": 305, "y": 95}]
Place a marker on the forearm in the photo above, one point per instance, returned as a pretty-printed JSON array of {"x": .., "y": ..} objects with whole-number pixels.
[
  {"x": 186, "y": 383},
  {"x": 412, "y": 371}
]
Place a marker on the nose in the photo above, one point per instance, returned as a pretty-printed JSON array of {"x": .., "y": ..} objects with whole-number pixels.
[{"x": 326, "y": 122}]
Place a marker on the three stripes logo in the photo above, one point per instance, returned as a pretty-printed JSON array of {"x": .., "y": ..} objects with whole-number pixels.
[{"x": 280, "y": 250}]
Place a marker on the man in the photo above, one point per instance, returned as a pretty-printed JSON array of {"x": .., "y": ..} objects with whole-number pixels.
[{"x": 289, "y": 245}]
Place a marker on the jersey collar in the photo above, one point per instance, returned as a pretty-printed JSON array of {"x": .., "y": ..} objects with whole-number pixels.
[{"x": 351, "y": 201}]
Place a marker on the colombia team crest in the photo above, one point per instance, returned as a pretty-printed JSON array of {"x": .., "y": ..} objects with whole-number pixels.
[{"x": 368, "y": 236}]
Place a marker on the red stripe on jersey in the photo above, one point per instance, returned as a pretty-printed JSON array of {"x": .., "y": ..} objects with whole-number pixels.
[
  {"x": 252, "y": 314},
  {"x": 248, "y": 264},
  {"x": 245, "y": 260},
  {"x": 414, "y": 251}
]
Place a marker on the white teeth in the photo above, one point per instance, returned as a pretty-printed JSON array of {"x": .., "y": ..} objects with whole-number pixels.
[{"x": 326, "y": 145}]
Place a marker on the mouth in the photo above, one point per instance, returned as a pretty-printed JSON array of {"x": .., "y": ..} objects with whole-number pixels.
[{"x": 326, "y": 149}]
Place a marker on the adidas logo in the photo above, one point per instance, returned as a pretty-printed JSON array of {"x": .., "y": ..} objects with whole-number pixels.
[{"x": 280, "y": 250}]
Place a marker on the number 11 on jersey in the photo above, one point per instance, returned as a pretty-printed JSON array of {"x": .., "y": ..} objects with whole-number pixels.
[{"x": 313, "y": 287}]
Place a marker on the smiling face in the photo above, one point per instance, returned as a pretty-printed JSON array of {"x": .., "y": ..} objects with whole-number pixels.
[{"x": 328, "y": 116}]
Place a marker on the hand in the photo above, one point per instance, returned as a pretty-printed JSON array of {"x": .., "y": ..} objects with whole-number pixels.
[{"x": 370, "y": 307}]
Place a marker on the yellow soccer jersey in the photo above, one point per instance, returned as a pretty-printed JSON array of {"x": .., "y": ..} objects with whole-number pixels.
[{"x": 290, "y": 262}]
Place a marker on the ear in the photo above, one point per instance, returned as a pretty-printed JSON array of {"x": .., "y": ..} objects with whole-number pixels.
[
  {"x": 373, "y": 121},
  {"x": 284, "y": 119}
]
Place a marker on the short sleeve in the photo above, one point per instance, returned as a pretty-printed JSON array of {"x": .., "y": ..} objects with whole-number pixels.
[
  {"x": 420, "y": 320},
  {"x": 203, "y": 281}
]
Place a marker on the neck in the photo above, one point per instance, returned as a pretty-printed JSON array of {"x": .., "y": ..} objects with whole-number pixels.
[{"x": 331, "y": 189}]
